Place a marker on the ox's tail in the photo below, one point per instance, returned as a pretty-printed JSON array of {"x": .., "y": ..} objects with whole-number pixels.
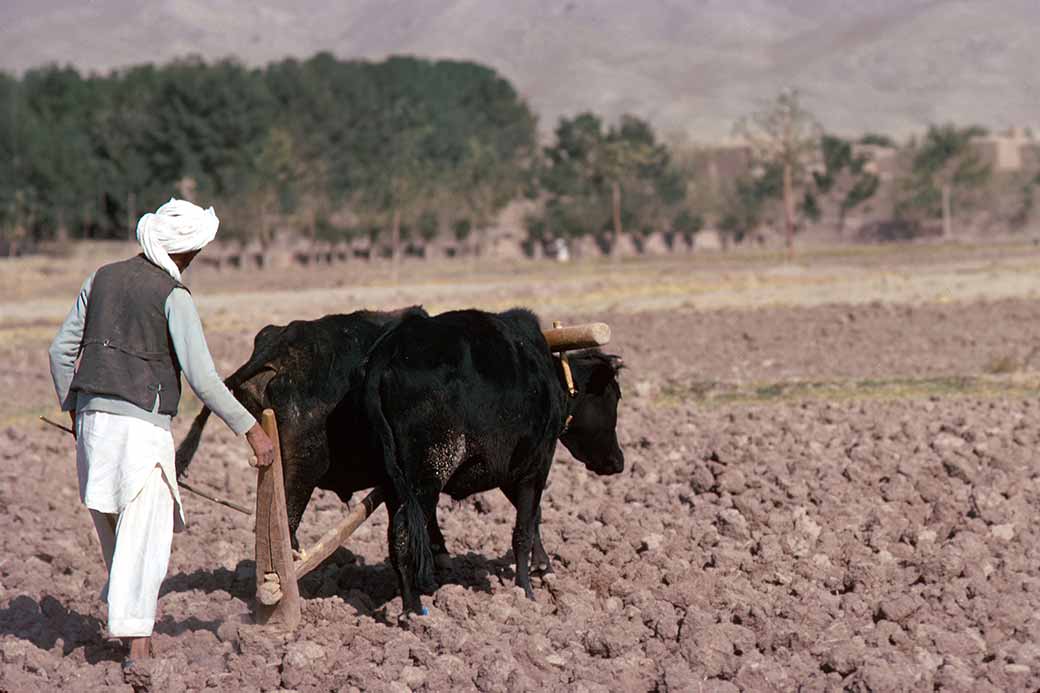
[
  {"x": 186, "y": 450},
  {"x": 408, "y": 528}
]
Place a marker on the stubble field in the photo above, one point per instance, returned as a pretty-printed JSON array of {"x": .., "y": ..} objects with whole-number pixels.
[{"x": 831, "y": 483}]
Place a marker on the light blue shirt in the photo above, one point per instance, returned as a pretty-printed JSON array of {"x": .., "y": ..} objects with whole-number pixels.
[{"x": 189, "y": 345}]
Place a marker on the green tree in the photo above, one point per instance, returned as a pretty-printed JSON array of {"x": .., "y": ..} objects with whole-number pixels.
[
  {"x": 399, "y": 187},
  {"x": 14, "y": 203},
  {"x": 602, "y": 181},
  {"x": 744, "y": 203},
  {"x": 686, "y": 224},
  {"x": 484, "y": 185},
  {"x": 295, "y": 141},
  {"x": 843, "y": 180},
  {"x": 945, "y": 165},
  {"x": 878, "y": 140},
  {"x": 268, "y": 190},
  {"x": 58, "y": 174}
]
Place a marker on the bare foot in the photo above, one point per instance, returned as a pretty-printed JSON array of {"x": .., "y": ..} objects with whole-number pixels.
[
  {"x": 140, "y": 648},
  {"x": 137, "y": 674}
]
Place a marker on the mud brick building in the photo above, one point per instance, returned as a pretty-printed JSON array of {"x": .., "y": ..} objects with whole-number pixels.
[{"x": 1011, "y": 151}]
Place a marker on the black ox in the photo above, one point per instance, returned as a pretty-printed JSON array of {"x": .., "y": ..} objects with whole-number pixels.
[
  {"x": 469, "y": 401},
  {"x": 304, "y": 371}
]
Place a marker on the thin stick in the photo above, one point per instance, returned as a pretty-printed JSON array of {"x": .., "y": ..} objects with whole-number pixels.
[
  {"x": 57, "y": 425},
  {"x": 182, "y": 484},
  {"x": 227, "y": 503}
]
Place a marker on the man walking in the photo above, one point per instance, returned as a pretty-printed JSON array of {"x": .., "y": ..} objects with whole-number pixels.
[{"x": 134, "y": 329}]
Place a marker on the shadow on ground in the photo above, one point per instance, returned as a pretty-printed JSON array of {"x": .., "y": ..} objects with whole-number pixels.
[{"x": 366, "y": 586}]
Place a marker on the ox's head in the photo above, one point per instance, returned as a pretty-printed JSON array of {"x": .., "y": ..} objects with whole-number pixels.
[{"x": 592, "y": 434}]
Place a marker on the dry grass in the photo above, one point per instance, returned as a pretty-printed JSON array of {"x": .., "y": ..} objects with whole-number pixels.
[
  {"x": 36, "y": 292},
  {"x": 1004, "y": 364},
  {"x": 712, "y": 394}
]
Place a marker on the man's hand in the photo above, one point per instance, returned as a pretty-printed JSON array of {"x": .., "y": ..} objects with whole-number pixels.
[
  {"x": 263, "y": 448},
  {"x": 72, "y": 415}
]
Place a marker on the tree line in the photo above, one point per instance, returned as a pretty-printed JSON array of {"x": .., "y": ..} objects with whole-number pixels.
[
  {"x": 409, "y": 148},
  {"x": 335, "y": 147},
  {"x": 806, "y": 169}
]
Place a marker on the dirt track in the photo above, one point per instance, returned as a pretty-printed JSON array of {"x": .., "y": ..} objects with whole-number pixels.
[{"x": 820, "y": 497}]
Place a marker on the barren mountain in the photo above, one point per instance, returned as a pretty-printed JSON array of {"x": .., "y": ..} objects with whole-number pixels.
[{"x": 688, "y": 65}]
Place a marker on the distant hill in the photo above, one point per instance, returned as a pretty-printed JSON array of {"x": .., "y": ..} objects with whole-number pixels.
[{"x": 688, "y": 65}]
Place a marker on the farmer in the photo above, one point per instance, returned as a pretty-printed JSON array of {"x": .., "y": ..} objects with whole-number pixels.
[{"x": 134, "y": 329}]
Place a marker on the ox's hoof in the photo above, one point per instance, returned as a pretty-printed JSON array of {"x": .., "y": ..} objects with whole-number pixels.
[
  {"x": 406, "y": 619},
  {"x": 541, "y": 570},
  {"x": 528, "y": 591}
]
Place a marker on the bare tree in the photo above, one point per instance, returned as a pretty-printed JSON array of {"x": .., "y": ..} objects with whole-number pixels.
[
  {"x": 785, "y": 135},
  {"x": 620, "y": 158}
]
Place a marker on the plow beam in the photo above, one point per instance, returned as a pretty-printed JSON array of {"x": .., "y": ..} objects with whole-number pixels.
[{"x": 339, "y": 534}]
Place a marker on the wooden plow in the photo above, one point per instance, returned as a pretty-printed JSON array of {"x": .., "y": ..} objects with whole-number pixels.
[{"x": 277, "y": 571}]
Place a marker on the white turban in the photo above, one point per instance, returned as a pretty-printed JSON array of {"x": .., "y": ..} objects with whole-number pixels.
[{"x": 177, "y": 227}]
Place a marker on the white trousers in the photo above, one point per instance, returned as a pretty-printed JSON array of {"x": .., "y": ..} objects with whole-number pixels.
[
  {"x": 127, "y": 481},
  {"x": 136, "y": 546},
  {"x": 115, "y": 456}
]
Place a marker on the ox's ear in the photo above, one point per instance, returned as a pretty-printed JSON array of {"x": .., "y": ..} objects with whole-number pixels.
[{"x": 616, "y": 362}]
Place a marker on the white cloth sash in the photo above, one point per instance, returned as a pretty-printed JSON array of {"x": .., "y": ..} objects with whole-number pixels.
[{"x": 116, "y": 454}]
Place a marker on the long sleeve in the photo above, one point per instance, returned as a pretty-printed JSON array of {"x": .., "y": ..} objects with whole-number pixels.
[
  {"x": 66, "y": 346},
  {"x": 189, "y": 343}
]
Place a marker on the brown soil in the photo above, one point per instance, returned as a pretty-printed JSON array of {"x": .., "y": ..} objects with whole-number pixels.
[{"x": 831, "y": 497}]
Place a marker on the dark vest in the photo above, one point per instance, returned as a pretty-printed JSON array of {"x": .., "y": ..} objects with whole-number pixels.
[{"x": 127, "y": 351}]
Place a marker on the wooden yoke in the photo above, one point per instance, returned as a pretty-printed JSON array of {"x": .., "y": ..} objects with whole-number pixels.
[
  {"x": 277, "y": 593},
  {"x": 593, "y": 334}
]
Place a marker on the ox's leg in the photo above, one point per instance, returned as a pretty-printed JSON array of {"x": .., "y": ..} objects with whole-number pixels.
[
  {"x": 428, "y": 501},
  {"x": 305, "y": 460},
  {"x": 299, "y": 487},
  {"x": 296, "y": 498},
  {"x": 540, "y": 563},
  {"x": 442, "y": 457},
  {"x": 438, "y": 546},
  {"x": 409, "y": 543},
  {"x": 399, "y": 551},
  {"x": 528, "y": 497}
]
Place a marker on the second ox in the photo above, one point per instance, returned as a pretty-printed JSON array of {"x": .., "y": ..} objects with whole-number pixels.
[
  {"x": 307, "y": 372},
  {"x": 469, "y": 401}
]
